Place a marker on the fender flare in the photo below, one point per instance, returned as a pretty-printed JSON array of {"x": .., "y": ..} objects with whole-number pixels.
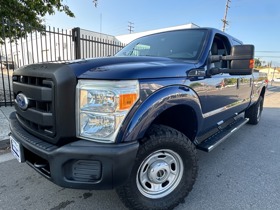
[{"x": 157, "y": 103}]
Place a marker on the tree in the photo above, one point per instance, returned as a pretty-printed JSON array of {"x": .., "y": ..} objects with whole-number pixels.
[
  {"x": 16, "y": 15},
  {"x": 258, "y": 62}
]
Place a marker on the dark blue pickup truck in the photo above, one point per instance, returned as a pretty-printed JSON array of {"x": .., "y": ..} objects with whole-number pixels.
[{"x": 134, "y": 121}]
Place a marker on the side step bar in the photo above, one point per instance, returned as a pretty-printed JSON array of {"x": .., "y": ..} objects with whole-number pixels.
[{"x": 213, "y": 141}]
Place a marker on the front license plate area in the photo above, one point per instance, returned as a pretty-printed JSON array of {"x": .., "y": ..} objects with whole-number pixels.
[{"x": 16, "y": 149}]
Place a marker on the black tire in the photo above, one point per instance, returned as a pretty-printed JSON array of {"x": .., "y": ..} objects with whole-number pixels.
[
  {"x": 254, "y": 112},
  {"x": 164, "y": 172}
]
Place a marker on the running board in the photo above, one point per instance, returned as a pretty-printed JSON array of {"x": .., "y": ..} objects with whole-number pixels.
[{"x": 213, "y": 141}]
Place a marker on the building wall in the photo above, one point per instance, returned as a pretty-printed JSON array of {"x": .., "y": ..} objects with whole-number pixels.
[
  {"x": 130, "y": 37},
  {"x": 88, "y": 34},
  {"x": 56, "y": 45},
  {"x": 94, "y": 44}
]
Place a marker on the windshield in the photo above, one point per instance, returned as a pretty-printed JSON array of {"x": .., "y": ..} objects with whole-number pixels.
[{"x": 183, "y": 44}]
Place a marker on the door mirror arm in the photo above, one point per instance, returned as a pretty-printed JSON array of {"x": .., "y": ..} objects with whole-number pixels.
[{"x": 240, "y": 61}]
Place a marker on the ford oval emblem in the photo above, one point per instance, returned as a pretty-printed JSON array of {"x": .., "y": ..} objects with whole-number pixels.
[{"x": 22, "y": 101}]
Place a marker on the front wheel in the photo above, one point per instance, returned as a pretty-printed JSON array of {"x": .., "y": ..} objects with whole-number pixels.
[{"x": 164, "y": 172}]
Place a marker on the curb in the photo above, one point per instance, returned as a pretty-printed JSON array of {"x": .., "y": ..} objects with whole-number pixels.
[{"x": 4, "y": 144}]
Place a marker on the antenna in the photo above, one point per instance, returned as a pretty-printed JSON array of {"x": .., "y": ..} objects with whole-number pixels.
[{"x": 225, "y": 16}]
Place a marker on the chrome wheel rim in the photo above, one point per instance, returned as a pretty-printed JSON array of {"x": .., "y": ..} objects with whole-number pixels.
[{"x": 159, "y": 174}]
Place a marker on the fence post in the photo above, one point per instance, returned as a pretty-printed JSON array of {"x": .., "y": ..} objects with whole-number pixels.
[{"x": 76, "y": 38}]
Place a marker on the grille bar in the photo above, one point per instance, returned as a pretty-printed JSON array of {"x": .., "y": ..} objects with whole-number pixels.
[
  {"x": 37, "y": 93},
  {"x": 37, "y": 117}
]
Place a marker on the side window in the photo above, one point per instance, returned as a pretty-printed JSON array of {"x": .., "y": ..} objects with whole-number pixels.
[
  {"x": 236, "y": 42},
  {"x": 220, "y": 46}
]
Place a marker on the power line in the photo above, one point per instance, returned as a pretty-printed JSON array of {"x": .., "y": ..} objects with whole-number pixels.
[
  {"x": 224, "y": 20},
  {"x": 130, "y": 27},
  {"x": 268, "y": 51},
  {"x": 266, "y": 56}
]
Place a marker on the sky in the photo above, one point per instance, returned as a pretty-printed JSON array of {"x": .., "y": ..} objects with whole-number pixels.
[{"x": 251, "y": 21}]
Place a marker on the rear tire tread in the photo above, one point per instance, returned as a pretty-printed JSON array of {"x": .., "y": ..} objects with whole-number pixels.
[{"x": 252, "y": 112}]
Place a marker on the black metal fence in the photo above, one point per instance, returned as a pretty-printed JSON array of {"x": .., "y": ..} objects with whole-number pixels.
[{"x": 49, "y": 45}]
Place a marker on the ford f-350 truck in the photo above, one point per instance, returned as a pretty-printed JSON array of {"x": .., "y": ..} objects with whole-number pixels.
[{"x": 134, "y": 121}]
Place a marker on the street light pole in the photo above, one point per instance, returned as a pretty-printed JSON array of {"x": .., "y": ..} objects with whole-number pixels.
[{"x": 273, "y": 75}]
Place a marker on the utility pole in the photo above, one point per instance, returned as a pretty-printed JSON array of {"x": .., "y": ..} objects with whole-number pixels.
[
  {"x": 100, "y": 32},
  {"x": 225, "y": 22},
  {"x": 272, "y": 79},
  {"x": 130, "y": 27},
  {"x": 95, "y": 2}
]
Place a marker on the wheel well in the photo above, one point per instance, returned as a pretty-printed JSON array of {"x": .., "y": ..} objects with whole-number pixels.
[{"x": 181, "y": 118}]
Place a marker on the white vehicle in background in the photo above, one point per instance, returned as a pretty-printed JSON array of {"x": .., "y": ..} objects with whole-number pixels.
[{"x": 276, "y": 80}]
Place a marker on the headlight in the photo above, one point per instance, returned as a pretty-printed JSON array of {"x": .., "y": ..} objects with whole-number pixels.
[{"x": 102, "y": 107}]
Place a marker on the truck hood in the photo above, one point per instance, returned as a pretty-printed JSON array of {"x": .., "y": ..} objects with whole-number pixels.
[{"x": 130, "y": 68}]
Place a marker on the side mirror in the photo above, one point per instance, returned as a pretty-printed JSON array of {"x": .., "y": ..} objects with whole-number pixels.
[{"x": 241, "y": 60}]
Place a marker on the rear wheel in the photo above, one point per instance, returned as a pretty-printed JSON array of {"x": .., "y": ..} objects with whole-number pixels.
[
  {"x": 164, "y": 172},
  {"x": 254, "y": 112}
]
